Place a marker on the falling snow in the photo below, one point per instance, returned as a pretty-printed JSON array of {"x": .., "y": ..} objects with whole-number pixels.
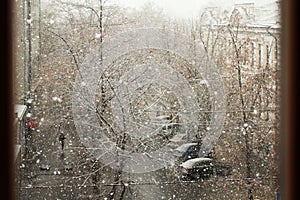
[{"x": 116, "y": 93}]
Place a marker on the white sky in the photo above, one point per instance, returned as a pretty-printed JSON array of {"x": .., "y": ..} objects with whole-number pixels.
[{"x": 185, "y": 8}]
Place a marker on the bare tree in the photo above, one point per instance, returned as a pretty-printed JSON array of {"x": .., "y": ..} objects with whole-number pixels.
[{"x": 249, "y": 69}]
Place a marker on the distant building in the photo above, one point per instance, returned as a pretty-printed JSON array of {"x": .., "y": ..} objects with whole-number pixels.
[
  {"x": 245, "y": 43},
  {"x": 257, "y": 32}
]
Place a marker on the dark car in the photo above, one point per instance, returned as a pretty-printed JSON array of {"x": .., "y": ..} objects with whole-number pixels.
[
  {"x": 197, "y": 168},
  {"x": 187, "y": 151}
]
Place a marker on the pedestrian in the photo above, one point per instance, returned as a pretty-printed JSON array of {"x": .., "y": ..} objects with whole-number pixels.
[{"x": 62, "y": 140}]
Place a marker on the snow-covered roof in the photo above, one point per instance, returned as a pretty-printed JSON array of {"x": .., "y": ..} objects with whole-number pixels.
[
  {"x": 17, "y": 150},
  {"x": 20, "y": 111},
  {"x": 242, "y": 12},
  {"x": 191, "y": 162},
  {"x": 162, "y": 117},
  {"x": 267, "y": 13},
  {"x": 185, "y": 146}
]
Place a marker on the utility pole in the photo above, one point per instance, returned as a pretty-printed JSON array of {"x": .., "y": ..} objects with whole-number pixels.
[
  {"x": 29, "y": 47},
  {"x": 40, "y": 36}
]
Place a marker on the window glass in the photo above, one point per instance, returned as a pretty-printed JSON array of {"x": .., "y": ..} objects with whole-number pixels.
[{"x": 111, "y": 88}]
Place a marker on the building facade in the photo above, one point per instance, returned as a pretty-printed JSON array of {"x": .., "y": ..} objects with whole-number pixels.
[{"x": 245, "y": 43}]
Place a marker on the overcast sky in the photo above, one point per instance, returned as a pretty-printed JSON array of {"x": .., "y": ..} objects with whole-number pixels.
[{"x": 185, "y": 8}]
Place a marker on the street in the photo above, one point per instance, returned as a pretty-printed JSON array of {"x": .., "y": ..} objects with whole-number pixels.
[{"x": 52, "y": 173}]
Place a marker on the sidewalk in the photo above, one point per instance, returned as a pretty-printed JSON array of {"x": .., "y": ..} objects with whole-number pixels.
[{"x": 50, "y": 173}]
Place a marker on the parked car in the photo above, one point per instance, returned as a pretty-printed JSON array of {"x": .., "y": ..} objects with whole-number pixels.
[
  {"x": 187, "y": 151},
  {"x": 197, "y": 168},
  {"x": 192, "y": 150}
]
